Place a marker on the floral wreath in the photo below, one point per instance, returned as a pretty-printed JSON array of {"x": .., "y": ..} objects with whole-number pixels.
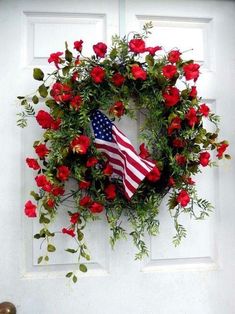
[{"x": 82, "y": 144}]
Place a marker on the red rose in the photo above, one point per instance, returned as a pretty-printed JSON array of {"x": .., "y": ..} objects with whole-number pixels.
[
  {"x": 92, "y": 161},
  {"x": 171, "y": 181},
  {"x": 85, "y": 201},
  {"x": 204, "y": 110},
  {"x": 80, "y": 144},
  {"x": 61, "y": 92},
  {"x": 69, "y": 232},
  {"x": 44, "y": 119},
  {"x": 178, "y": 142},
  {"x": 153, "y": 50},
  {"x": 138, "y": 73},
  {"x": 174, "y": 56},
  {"x": 171, "y": 96},
  {"x": 76, "y": 102},
  {"x": 204, "y": 158},
  {"x": 191, "y": 116},
  {"x": 50, "y": 203},
  {"x": 183, "y": 198},
  {"x": 97, "y": 74},
  {"x": 32, "y": 163},
  {"x": 55, "y": 57},
  {"x": 43, "y": 183},
  {"x": 108, "y": 170},
  {"x": 118, "y": 79},
  {"x": 191, "y": 71},
  {"x": 57, "y": 190},
  {"x": 110, "y": 192},
  {"x": 63, "y": 173},
  {"x": 169, "y": 71},
  {"x": 30, "y": 209},
  {"x": 180, "y": 159},
  {"x": 144, "y": 153},
  {"x": 193, "y": 92},
  {"x": 74, "y": 218},
  {"x": 137, "y": 45},
  {"x": 96, "y": 207},
  {"x": 117, "y": 109},
  {"x": 221, "y": 149},
  {"x": 100, "y": 49},
  {"x": 84, "y": 184},
  {"x": 154, "y": 175},
  {"x": 175, "y": 125},
  {"x": 41, "y": 150},
  {"x": 78, "y": 45}
]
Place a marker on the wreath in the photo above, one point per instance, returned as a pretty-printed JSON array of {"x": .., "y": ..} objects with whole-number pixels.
[{"x": 81, "y": 143}]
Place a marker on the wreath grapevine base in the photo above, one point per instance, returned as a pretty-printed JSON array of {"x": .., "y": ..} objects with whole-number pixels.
[{"x": 86, "y": 92}]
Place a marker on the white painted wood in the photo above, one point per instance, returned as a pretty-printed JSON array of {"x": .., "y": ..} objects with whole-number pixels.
[{"x": 197, "y": 277}]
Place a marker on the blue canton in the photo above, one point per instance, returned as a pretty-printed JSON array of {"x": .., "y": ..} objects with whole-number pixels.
[{"x": 102, "y": 126}]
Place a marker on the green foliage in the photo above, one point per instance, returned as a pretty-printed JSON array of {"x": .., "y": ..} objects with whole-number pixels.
[{"x": 38, "y": 74}]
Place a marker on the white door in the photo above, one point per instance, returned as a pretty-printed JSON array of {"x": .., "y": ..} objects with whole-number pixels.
[{"x": 197, "y": 277}]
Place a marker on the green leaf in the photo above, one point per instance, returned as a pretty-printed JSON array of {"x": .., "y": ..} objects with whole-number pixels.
[
  {"x": 43, "y": 91},
  {"x": 38, "y": 74},
  {"x": 51, "y": 248},
  {"x": 68, "y": 55},
  {"x": 83, "y": 268},
  {"x": 50, "y": 103},
  {"x": 75, "y": 279},
  {"x": 20, "y": 97},
  {"x": 37, "y": 236},
  {"x": 40, "y": 259},
  {"x": 68, "y": 275},
  {"x": 65, "y": 70},
  {"x": 35, "y": 99},
  {"x": 71, "y": 251},
  {"x": 35, "y": 196},
  {"x": 46, "y": 258},
  {"x": 80, "y": 235}
]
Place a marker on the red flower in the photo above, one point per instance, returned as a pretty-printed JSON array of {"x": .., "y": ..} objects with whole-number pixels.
[
  {"x": 144, "y": 153},
  {"x": 138, "y": 73},
  {"x": 30, "y": 209},
  {"x": 178, "y": 142},
  {"x": 32, "y": 163},
  {"x": 221, "y": 149},
  {"x": 74, "y": 218},
  {"x": 80, "y": 144},
  {"x": 117, "y": 109},
  {"x": 43, "y": 183},
  {"x": 118, "y": 79},
  {"x": 154, "y": 175},
  {"x": 96, "y": 207},
  {"x": 191, "y": 116},
  {"x": 137, "y": 45},
  {"x": 153, "y": 50},
  {"x": 183, "y": 198},
  {"x": 190, "y": 181},
  {"x": 171, "y": 96},
  {"x": 92, "y": 161},
  {"x": 76, "y": 102},
  {"x": 174, "y": 56},
  {"x": 110, "y": 192},
  {"x": 63, "y": 173},
  {"x": 55, "y": 124},
  {"x": 44, "y": 119},
  {"x": 78, "y": 45},
  {"x": 41, "y": 150},
  {"x": 69, "y": 232},
  {"x": 204, "y": 158},
  {"x": 50, "y": 203},
  {"x": 55, "y": 57},
  {"x": 193, "y": 92},
  {"x": 171, "y": 181},
  {"x": 97, "y": 74},
  {"x": 75, "y": 75},
  {"x": 204, "y": 110},
  {"x": 108, "y": 170},
  {"x": 175, "y": 125},
  {"x": 180, "y": 159},
  {"x": 169, "y": 71},
  {"x": 191, "y": 71},
  {"x": 57, "y": 190},
  {"x": 85, "y": 201},
  {"x": 100, "y": 49},
  {"x": 84, "y": 184},
  {"x": 61, "y": 92}
]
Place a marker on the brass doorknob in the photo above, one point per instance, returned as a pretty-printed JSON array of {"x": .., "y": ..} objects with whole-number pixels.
[{"x": 7, "y": 308}]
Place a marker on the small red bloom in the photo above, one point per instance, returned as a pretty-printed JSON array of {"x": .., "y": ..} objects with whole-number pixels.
[
  {"x": 78, "y": 45},
  {"x": 57, "y": 190},
  {"x": 180, "y": 159},
  {"x": 32, "y": 163},
  {"x": 117, "y": 109},
  {"x": 75, "y": 75},
  {"x": 154, "y": 175},
  {"x": 97, "y": 74},
  {"x": 191, "y": 116},
  {"x": 153, "y": 50},
  {"x": 204, "y": 158},
  {"x": 55, "y": 124},
  {"x": 61, "y": 92},
  {"x": 44, "y": 119},
  {"x": 171, "y": 96},
  {"x": 41, "y": 150},
  {"x": 108, "y": 170},
  {"x": 221, "y": 149},
  {"x": 174, "y": 56},
  {"x": 30, "y": 209},
  {"x": 138, "y": 73},
  {"x": 183, "y": 198},
  {"x": 169, "y": 71},
  {"x": 50, "y": 203},
  {"x": 74, "y": 218},
  {"x": 118, "y": 79},
  {"x": 204, "y": 110},
  {"x": 178, "y": 142},
  {"x": 100, "y": 49},
  {"x": 110, "y": 192},
  {"x": 92, "y": 161},
  {"x": 80, "y": 144},
  {"x": 69, "y": 232},
  {"x": 76, "y": 102},
  {"x": 84, "y": 184},
  {"x": 43, "y": 183},
  {"x": 191, "y": 71},
  {"x": 63, "y": 173},
  {"x": 190, "y": 181},
  {"x": 144, "y": 153},
  {"x": 171, "y": 181},
  {"x": 137, "y": 45},
  {"x": 96, "y": 207},
  {"x": 193, "y": 92},
  {"x": 175, "y": 125},
  {"x": 85, "y": 201},
  {"x": 55, "y": 57}
]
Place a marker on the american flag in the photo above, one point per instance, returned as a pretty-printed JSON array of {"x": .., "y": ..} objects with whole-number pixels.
[{"x": 127, "y": 165}]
